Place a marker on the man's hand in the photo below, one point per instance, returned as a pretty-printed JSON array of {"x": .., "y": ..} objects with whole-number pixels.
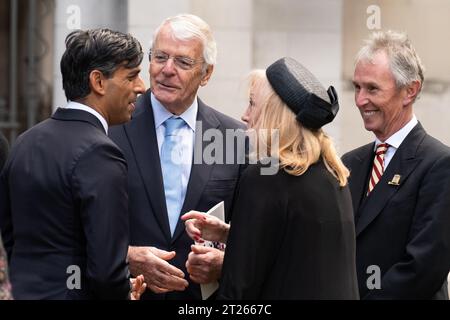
[
  {"x": 200, "y": 227},
  {"x": 159, "y": 275},
  {"x": 204, "y": 264}
]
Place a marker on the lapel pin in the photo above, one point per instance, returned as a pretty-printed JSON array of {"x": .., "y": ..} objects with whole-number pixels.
[{"x": 395, "y": 180}]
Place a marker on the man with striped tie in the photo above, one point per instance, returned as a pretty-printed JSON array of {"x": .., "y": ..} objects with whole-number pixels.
[{"x": 400, "y": 183}]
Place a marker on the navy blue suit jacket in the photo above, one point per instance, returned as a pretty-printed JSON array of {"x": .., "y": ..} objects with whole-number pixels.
[
  {"x": 64, "y": 203},
  {"x": 208, "y": 184}
]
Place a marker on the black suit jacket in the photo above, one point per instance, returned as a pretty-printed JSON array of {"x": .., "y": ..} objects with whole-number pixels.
[
  {"x": 208, "y": 185},
  {"x": 292, "y": 237},
  {"x": 64, "y": 203},
  {"x": 404, "y": 229}
]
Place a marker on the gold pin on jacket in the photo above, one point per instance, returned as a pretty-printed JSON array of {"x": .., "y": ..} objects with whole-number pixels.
[{"x": 395, "y": 180}]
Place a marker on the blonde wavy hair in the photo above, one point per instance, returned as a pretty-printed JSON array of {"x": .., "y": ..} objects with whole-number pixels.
[{"x": 298, "y": 147}]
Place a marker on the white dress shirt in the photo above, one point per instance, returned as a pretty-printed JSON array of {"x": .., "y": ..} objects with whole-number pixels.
[{"x": 396, "y": 140}]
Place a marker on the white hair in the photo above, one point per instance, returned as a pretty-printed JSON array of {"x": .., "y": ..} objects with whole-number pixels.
[
  {"x": 188, "y": 26},
  {"x": 404, "y": 62}
]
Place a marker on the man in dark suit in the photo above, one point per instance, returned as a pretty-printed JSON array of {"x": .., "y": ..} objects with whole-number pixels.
[
  {"x": 63, "y": 206},
  {"x": 182, "y": 59},
  {"x": 400, "y": 184}
]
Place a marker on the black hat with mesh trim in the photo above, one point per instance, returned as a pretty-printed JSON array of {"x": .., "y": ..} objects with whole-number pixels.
[{"x": 303, "y": 93}]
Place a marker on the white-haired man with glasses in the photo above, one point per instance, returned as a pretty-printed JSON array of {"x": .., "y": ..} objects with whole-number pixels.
[{"x": 168, "y": 120}]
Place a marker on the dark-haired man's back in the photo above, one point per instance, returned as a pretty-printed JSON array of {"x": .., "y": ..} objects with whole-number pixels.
[
  {"x": 63, "y": 192},
  {"x": 60, "y": 166}
]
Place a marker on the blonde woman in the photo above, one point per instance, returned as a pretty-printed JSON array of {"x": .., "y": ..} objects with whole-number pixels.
[{"x": 292, "y": 233}]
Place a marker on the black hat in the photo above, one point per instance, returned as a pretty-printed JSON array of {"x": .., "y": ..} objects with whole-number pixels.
[{"x": 303, "y": 93}]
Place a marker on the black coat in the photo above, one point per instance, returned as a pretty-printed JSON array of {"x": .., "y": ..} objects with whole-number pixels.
[
  {"x": 403, "y": 228},
  {"x": 291, "y": 237},
  {"x": 64, "y": 203}
]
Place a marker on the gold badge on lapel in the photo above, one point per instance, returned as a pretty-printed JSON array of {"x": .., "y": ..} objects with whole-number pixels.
[{"x": 395, "y": 180}]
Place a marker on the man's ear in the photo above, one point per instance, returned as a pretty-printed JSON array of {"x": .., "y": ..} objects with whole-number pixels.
[
  {"x": 412, "y": 90},
  {"x": 207, "y": 75},
  {"x": 97, "y": 82}
]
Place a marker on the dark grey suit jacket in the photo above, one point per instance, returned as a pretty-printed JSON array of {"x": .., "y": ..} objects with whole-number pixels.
[
  {"x": 64, "y": 203},
  {"x": 404, "y": 229},
  {"x": 208, "y": 185}
]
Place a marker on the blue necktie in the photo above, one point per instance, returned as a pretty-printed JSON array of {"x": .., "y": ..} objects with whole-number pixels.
[{"x": 171, "y": 169}]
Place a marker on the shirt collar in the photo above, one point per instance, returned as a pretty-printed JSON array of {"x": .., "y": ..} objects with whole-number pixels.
[
  {"x": 397, "y": 138},
  {"x": 161, "y": 114},
  {"x": 80, "y": 106}
]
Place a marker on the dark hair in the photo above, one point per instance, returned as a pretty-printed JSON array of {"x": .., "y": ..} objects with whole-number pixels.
[{"x": 96, "y": 49}]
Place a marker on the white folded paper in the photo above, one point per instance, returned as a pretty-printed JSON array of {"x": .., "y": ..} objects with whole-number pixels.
[{"x": 217, "y": 211}]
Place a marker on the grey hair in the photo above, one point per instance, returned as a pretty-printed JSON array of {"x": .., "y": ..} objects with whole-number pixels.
[
  {"x": 188, "y": 26},
  {"x": 404, "y": 62}
]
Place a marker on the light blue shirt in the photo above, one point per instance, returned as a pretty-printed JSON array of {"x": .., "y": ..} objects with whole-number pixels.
[
  {"x": 396, "y": 140},
  {"x": 80, "y": 106},
  {"x": 161, "y": 114}
]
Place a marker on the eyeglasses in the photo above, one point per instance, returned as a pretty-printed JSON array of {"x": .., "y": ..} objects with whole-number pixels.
[{"x": 182, "y": 62}]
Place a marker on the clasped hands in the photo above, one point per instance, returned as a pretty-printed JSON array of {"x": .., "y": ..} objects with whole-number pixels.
[{"x": 204, "y": 264}]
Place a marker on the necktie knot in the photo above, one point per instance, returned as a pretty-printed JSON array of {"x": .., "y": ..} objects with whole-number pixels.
[
  {"x": 173, "y": 124},
  {"x": 381, "y": 149},
  {"x": 378, "y": 166}
]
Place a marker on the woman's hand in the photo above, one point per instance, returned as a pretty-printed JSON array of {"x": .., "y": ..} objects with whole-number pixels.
[{"x": 201, "y": 227}]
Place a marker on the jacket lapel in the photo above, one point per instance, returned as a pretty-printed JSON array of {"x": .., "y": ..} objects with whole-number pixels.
[
  {"x": 402, "y": 164},
  {"x": 359, "y": 175},
  {"x": 200, "y": 171},
  {"x": 142, "y": 138}
]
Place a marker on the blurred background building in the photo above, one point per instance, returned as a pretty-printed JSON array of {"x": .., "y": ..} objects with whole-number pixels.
[{"x": 323, "y": 34}]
